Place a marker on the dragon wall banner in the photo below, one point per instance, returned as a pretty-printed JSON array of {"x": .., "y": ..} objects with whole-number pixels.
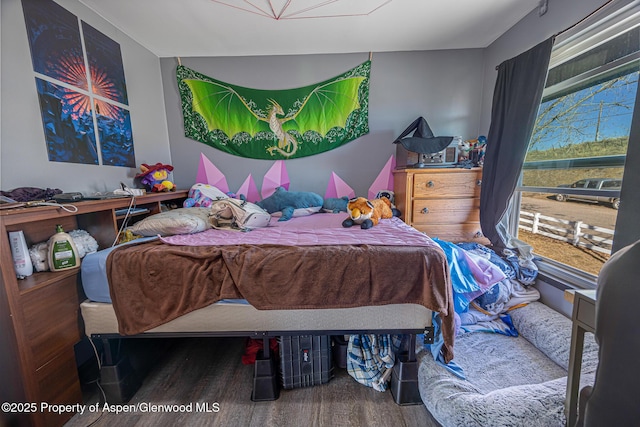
[{"x": 275, "y": 124}]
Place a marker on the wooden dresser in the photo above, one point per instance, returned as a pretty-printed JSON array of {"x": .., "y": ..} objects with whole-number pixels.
[
  {"x": 39, "y": 315},
  {"x": 442, "y": 202}
]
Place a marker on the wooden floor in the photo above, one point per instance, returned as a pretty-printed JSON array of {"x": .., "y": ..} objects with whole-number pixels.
[{"x": 209, "y": 370}]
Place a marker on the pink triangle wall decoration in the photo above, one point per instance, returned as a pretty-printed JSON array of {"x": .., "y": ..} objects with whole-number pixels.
[
  {"x": 384, "y": 180},
  {"x": 338, "y": 188},
  {"x": 249, "y": 189},
  {"x": 208, "y": 173},
  {"x": 275, "y": 177}
]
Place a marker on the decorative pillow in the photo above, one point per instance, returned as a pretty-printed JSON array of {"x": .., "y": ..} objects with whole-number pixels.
[{"x": 176, "y": 221}]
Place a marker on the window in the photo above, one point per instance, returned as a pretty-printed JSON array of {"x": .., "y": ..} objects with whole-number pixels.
[
  {"x": 573, "y": 172},
  {"x": 614, "y": 183}
]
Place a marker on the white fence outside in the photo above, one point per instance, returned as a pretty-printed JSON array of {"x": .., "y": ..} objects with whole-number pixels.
[{"x": 577, "y": 233}]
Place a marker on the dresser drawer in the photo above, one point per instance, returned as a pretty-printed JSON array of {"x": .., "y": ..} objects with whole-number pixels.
[
  {"x": 443, "y": 211},
  {"x": 447, "y": 185},
  {"x": 469, "y": 232}
]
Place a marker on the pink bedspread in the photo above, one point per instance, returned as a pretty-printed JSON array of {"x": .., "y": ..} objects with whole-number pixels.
[
  {"x": 305, "y": 263},
  {"x": 312, "y": 230}
]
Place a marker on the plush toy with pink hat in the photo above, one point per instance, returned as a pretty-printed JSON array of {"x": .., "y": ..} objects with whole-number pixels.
[{"x": 155, "y": 178}]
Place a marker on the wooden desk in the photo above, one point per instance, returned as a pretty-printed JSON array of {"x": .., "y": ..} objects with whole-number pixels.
[
  {"x": 40, "y": 315},
  {"x": 584, "y": 320}
]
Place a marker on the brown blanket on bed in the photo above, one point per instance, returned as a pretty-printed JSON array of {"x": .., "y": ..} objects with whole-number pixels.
[{"x": 153, "y": 283}]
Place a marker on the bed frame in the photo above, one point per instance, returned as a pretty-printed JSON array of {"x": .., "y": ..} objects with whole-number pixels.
[
  {"x": 243, "y": 320},
  {"x": 326, "y": 292}
]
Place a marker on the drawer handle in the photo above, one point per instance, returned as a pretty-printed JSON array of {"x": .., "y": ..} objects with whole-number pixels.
[
  {"x": 430, "y": 184},
  {"x": 425, "y": 210},
  {"x": 479, "y": 182}
]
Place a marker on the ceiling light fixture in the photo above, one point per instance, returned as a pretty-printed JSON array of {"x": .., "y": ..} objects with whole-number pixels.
[{"x": 305, "y": 9}]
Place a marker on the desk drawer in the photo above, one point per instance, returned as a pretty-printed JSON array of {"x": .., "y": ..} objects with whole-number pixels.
[
  {"x": 58, "y": 383},
  {"x": 586, "y": 313},
  {"x": 52, "y": 320}
]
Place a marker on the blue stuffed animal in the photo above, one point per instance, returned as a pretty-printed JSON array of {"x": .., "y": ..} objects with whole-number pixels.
[
  {"x": 335, "y": 205},
  {"x": 291, "y": 203}
]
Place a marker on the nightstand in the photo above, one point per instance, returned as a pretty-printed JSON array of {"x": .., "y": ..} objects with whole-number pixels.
[{"x": 584, "y": 320}]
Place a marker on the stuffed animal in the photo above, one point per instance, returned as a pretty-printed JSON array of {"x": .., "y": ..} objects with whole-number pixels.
[
  {"x": 368, "y": 213},
  {"x": 203, "y": 195},
  {"x": 335, "y": 205},
  {"x": 39, "y": 254},
  {"x": 155, "y": 178},
  {"x": 291, "y": 203},
  {"x": 388, "y": 194}
]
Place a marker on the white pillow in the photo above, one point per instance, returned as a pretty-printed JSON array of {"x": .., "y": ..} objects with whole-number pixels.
[{"x": 175, "y": 221}]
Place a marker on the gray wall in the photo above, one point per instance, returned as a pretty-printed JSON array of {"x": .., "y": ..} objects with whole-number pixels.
[
  {"x": 443, "y": 86},
  {"x": 23, "y": 154}
]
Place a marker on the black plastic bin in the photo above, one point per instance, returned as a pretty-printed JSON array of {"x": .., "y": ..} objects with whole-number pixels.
[
  {"x": 339, "y": 351},
  {"x": 305, "y": 360}
]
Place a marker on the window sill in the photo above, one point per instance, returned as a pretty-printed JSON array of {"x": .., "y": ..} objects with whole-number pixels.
[{"x": 563, "y": 276}]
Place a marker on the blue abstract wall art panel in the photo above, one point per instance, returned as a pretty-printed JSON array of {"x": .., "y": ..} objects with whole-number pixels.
[
  {"x": 68, "y": 124},
  {"x": 116, "y": 141}
]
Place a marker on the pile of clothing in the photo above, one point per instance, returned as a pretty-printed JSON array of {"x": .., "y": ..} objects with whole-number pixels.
[{"x": 486, "y": 286}]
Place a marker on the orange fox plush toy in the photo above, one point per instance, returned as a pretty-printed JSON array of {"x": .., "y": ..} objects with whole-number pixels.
[{"x": 368, "y": 213}]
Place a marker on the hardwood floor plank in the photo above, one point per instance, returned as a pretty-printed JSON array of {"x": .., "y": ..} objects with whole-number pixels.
[{"x": 203, "y": 372}]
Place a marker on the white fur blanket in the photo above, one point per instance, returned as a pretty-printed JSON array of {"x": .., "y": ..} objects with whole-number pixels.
[{"x": 510, "y": 381}]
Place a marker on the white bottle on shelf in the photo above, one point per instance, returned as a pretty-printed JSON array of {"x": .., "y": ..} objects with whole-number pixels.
[
  {"x": 20, "y": 253},
  {"x": 63, "y": 253}
]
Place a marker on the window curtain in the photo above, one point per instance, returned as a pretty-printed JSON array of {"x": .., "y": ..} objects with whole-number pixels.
[{"x": 516, "y": 99}]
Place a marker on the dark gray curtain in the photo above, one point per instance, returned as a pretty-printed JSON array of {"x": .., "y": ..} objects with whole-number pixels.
[{"x": 516, "y": 99}]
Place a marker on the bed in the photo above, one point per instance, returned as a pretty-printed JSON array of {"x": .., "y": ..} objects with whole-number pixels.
[{"x": 308, "y": 275}]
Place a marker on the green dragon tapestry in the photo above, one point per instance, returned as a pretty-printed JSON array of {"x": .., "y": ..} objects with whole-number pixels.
[{"x": 275, "y": 124}]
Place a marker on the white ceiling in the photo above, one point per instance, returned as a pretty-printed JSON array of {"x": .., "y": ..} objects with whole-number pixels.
[{"x": 171, "y": 28}]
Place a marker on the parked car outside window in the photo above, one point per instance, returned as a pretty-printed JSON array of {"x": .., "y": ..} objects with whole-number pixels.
[{"x": 592, "y": 184}]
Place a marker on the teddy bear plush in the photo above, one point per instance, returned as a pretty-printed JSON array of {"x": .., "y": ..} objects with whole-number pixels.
[{"x": 368, "y": 213}]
